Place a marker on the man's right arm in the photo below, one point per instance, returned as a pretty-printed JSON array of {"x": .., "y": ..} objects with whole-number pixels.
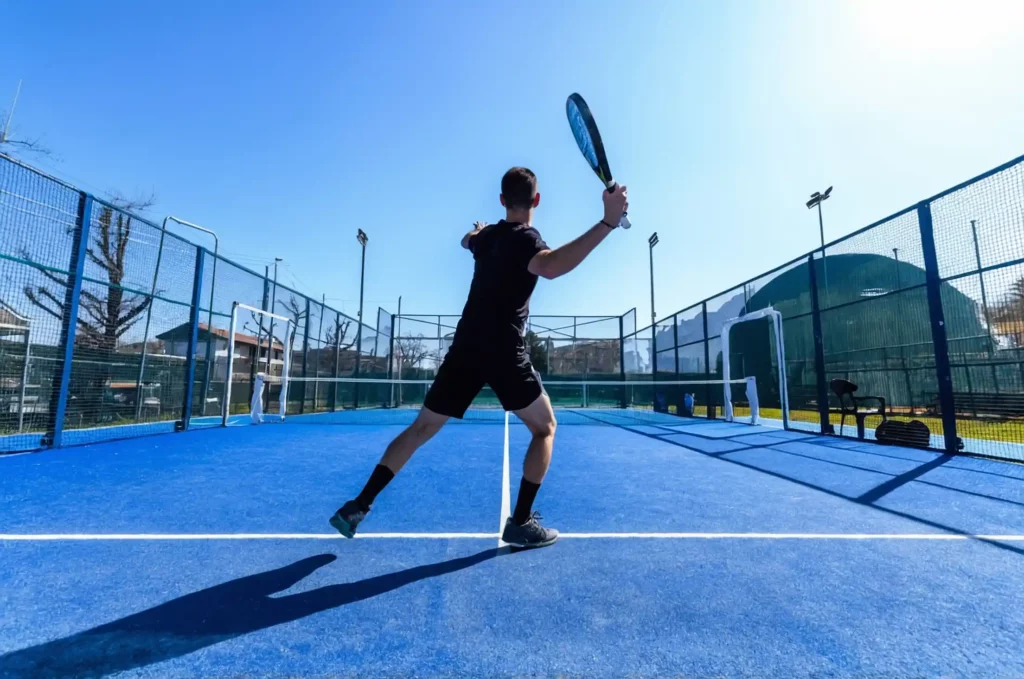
[{"x": 560, "y": 261}]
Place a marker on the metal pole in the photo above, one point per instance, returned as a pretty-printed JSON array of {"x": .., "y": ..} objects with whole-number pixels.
[
  {"x": 824, "y": 259},
  {"x": 653, "y": 314},
  {"x": 899, "y": 334},
  {"x": 270, "y": 332},
  {"x": 305, "y": 359},
  {"x": 397, "y": 332},
  {"x": 209, "y": 317},
  {"x": 59, "y": 391},
  {"x": 193, "y": 339},
  {"x": 24, "y": 377},
  {"x": 337, "y": 361},
  {"x": 149, "y": 316},
  {"x": 229, "y": 376},
  {"x": 940, "y": 341},
  {"x": 362, "y": 281},
  {"x": 652, "y": 241},
  {"x": 319, "y": 351},
  {"x": 361, "y": 237},
  {"x": 7, "y": 124},
  {"x": 984, "y": 304}
]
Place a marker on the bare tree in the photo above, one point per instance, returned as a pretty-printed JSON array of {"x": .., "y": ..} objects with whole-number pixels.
[
  {"x": 412, "y": 352},
  {"x": 103, "y": 317},
  {"x": 105, "y": 314},
  {"x": 14, "y": 147},
  {"x": 298, "y": 317}
]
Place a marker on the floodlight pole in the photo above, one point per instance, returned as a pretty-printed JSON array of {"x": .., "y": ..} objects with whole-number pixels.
[
  {"x": 817, "y": 198},
  {"x": 362, "y": 238},
  {"x": 651, "y": 242}
]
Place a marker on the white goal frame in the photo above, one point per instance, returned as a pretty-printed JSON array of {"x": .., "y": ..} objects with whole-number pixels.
[
  {"x": 780, "y": 355},
  {"x": 287, "y": 353}
]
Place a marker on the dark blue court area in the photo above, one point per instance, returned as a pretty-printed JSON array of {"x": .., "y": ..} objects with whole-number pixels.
[{"x": 690, "y": 548}]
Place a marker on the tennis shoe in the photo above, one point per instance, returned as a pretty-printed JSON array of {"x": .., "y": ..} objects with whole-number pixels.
[
  {"x": 530, "y": 534},
  {"x": 348, "y": 518}
]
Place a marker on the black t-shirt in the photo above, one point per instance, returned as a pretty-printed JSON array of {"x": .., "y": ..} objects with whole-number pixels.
[{"x": 499, "y": 297}]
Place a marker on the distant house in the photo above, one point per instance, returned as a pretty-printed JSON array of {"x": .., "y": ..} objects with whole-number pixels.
[
  {"x": 1009, "y": 333},
  {"x": 247, "y": 348},
  {"x": 584, "y": 357},
  {"x": 11, "y": 322}
]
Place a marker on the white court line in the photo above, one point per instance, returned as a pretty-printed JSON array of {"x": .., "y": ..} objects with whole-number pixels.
[
  {"x": 57, "y": 537},
  {"x": 506, "y": 499}
]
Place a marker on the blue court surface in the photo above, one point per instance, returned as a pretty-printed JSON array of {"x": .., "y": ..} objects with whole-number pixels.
[{"x": 690, "y": 548}]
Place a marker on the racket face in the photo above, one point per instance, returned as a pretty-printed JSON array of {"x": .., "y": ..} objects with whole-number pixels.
[{"x": 584, "y": 129}]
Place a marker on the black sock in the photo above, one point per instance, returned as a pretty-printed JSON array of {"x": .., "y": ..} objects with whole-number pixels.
[
  {"x": 524, "y": 505},
  {"x": 380, "y": 478}
]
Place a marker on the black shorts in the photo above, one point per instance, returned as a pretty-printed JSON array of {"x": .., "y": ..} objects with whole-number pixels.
[{"x": 464, "y": 373}]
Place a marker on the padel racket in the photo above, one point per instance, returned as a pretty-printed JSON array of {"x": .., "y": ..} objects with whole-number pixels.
[{"x": 589, "y": 140}]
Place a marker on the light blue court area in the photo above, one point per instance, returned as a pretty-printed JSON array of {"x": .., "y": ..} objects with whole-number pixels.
[{"x": 705, "y": 550}]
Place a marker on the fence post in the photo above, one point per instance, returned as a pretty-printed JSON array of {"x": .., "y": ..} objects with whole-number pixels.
[
  {"x": 675, "y": 340},
  {"x": 76, "y": 266},
  {"x": 210, "y": 356},
  {"x": 819, "y": 349},
  {"x": 333, "y": 400},
  {"x": 193, "y": 343},
  {"x": 391, "y": 350},
  {"x": 254, "y": 364},
  {"x": 710, "y": 414},
  {"x": 305, "y": 360},
  {"x": 622, "y": 361},
  {"x": 940, "y": 341}
]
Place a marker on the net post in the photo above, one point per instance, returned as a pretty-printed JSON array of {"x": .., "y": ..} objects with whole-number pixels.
[
  {"x": 709, "y": 414},
  {"x": 755, "y": 408},
  {"x": 940, "y": 342},
  {"x": 780, "y": 348},
  {"x": 305, "y": 362},
  {"x": 820, "y": 383},
  {"x": 229, "y": 377},
  {"x": 193, "y": 341},
  {"x": 72, "y": 295}
]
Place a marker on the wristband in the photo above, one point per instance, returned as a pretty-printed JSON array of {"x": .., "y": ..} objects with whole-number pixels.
[{"x": 610, "y": 226}]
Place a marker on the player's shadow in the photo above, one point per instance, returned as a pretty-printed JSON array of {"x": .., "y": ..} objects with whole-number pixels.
[{"x": 208, "y": 617}]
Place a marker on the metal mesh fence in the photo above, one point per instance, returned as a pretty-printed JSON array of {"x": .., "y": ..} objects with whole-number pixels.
[
  {"x": 924, "y": 309},
  {"x": 107, "y": 329},
  {"x": 104, "y": 334}
]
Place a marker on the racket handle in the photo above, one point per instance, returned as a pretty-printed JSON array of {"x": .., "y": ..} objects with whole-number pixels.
[{"x": 624, "y": 222}]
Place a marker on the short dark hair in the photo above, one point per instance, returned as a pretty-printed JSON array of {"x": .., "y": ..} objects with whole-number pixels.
[{"x": 519, "y": 186}]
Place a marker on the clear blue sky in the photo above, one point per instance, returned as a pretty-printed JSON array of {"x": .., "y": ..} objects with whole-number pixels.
[{"x": 285, "y": 126}]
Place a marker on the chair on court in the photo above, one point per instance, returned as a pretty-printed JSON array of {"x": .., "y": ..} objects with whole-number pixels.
[{"x": 853, "y": 405}]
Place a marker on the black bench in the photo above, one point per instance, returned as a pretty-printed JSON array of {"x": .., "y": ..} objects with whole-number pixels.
[{"x": 854, "y": 405}]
